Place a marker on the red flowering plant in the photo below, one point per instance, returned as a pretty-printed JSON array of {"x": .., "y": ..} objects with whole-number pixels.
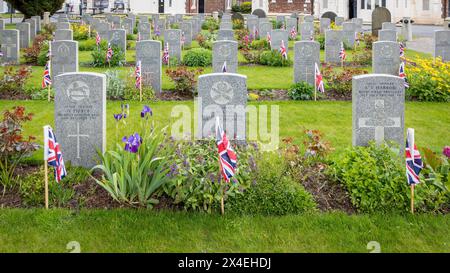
[{"x": 13, "y": 146}]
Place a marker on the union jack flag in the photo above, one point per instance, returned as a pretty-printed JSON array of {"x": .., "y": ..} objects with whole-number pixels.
[
  {"x": 109, "y": 53},
  {"x": 46, "y": 79},
  {"x": 283, "y": 50},
  {"x": 414, "y": 162},
  {"x": 293, "y": 33},
  {"x": 342, "y": 53},
  {"x": 402, "y": 74},
  {"x": 402, "y": 50},
  {"x": 319, "y": 79},
  {"x": 357, "y": 38},
  {"x": 166, "y": 56},
  {"x": 53, "y": 154},
  {"x": 224, "y": 67},
  {"x": 98, "y": 39},
  {"x": 269, "y": 39},
  {"x": 227, "y": 157},
  {"x": 138, "y": 74}
]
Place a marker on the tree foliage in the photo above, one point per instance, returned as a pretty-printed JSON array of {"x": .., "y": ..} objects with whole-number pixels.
[{"x": 36, "y": 7}]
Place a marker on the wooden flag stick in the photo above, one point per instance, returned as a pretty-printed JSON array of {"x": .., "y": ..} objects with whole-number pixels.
[
  {"x": 46, "y": 166},
  {"x": 140, "y": 91},
  {"x": 48, "y": 92},
  {"x": 412, "y": 198},
  {"x": 222, "y": 207},
  {"x": 46, "y": 183}
]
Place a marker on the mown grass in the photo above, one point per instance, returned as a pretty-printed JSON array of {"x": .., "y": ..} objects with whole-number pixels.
[{"x": 126, "y": 230}]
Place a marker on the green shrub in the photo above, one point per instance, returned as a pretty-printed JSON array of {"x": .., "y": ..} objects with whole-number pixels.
[
  {"x": 260, "y": 44},
  {"x": 198, "y": 57},
  {"x": 368, "y": 40},
  {"x": 115, "y": 86},
  {"x": 32, "y": 53},
  {"x": 80, "y": 32},
  {"x": 184, "y": 79},
  {"x": 246, "y": 7},
  {"x": 90, "y": 45},
  {"x": 362, "y": 57},
  {"x": 238, "y": 24},
  {"x": 253, "y": 57},
  {"x": 99, "y": 58},
  {"x": 340, "y": 81},
  {"x": 14, "y": 79},
  {"x": 272, "y": 191},
  {"x": 210, "y": 24},
  {"x": 43, "y": 54},
  {"x": 131, "y": 37},
  {"x": 321, "y": 40},
  {"x": 274, "y": 58},
  {"x": 301, "y": 91}
]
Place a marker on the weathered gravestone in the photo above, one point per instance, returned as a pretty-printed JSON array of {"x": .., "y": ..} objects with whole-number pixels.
[
  {"x": 281, "y": 19},
  {"x": 386, "y": 57},
  {"x": 144, "y": 30},
  {"x": 388, "y": 26},
  {"x": 291, "y": 23},
  {"x": 226, "y": 17},
  {"x": 196, "y": 27},
  {"x": 252, "y": 23},
  {"x": 338, "y": 21},
  {"x": 37, "y": 21},
  {"x": 358, "y": 24},
  {"x": 222, "y": 95},
  {"x": 225, "y": 34},
  {"x": 226, "y": 25},
  {"x": 64, "y": 57},
  {"x": 441, "y": 44},
  {"x": 170, "y": 20},
  {"x": 178, "y": 18},
  {"x": 62, "y": 25},
  {"x": 225, "y": 52},
  {"x": 387, "y": 35},
  {"x": 278, "y": 35},
  {"x": 2, "y": 24},
  {"x": 80, "y": 116},
  {"x": 308, "y": 18},
  {"x": 307, "y": 31},
  {"x": 24, "y": 34},
  {"x": 348, "y": 32},
  {"x": 32, "y": 28},
  {"x": 46, "y": 18},
  {"x": 186, "y": 28},
  {"x": 306, "y": 55},
  {"x": 161, "y": 23},
  {"x": 260, "y": 13},
  {"x": 102, "y": 29},
  {"x": 115, "y": 21},
  {"x": 144, "y": 19},
  {"x": 333, "y": 42},
  {"x": 379, "y": 16},
  {"x": 118, "y": 38},
  {"x": 378, "y": 109},
  {"x": 330, "y": 15},
  {"x": 324, "y": 24},
  {"x": 173, "y": 37},
  {"x": 264, "y": 28},
  {"x": 62, "y": 20},
  {"x": 127, "y": 24},
  {"x": 63, "y": 34},
  {"x": 149, "y": 53},
  {"x": 132, "y": 17},
  {"x": 9, "y": 40}
]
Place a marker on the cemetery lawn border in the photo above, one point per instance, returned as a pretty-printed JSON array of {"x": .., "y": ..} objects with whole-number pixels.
[{"x": 128, "y": 230}]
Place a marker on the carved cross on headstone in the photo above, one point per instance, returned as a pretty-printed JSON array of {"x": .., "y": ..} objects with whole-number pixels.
[
  {"x": 307, "y": 72},
  {"x": 380, "y": 121},
  {"x": 78, "y": 136}
]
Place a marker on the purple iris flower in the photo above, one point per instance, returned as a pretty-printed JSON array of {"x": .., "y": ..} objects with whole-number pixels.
[
  {"x": 446, "y": 151},
  {"x": 146, "y": 110},
  {"x": 132, "y": 143},
  {"x": 118, "y": 117}
]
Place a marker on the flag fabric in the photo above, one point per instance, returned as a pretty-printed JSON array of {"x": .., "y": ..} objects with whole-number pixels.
[
  {"x": 98, "y": 39},
  {"x": 109, "y": 53},
  {"x": 414, "y": 162},
  {"x": 402, "y": 50},
  {"x": 166, "y": 56},
  {"x": 357, "y": 38},
  {"x": 269, "y": 39},
  {"x": 138, "y": 74},
  {"x": 293, "y": 33},
  {"x": 1, "y": 53},
  {"x": 227, "y": 157},
  {"x": 53, "y": 154},
  {"x": 402, "y": 74},
  {"x": 342, "y": 53},
  {"x": 139, "y": 36},
  {"x": 319, "y": 79},
  {"x": 255, "y": 32},
  {"x": 224, "y": 67},
  {"x": 46, "y": 79},
  {"x": 283, "y": 50}
]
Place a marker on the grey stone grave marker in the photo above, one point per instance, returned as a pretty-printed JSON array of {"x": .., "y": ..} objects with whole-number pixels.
[
  {"x": 225, "y": 51},
  {"x": 149, "y": 53},
  {"x": 9, "y": 41},
  {"x": 386, "y": 57},
  {"x": 64, "y": 57},
  {"x": 306, "y": 54}
]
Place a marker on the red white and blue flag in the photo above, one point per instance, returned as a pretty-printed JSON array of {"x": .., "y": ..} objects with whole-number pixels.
[
  {"x": 109, "y": 53},
  {"x": 227, "y": 157},
  {"x": 357, "y": 38},
  {"x": 224, "y": 67},
  {"x": 46, "y": 79},
  {"x": 293, "y": 33},
  {"x": 342, "y": 53},
  {"x": 402, "y": 50},
  {"x": 166, "y": 56},
  {"x": 319, "y": 79},
  {"x": 402, "y": 74},
  {"x": 53, "y": 154},
  {"x": 414, "y": 162},
  {"x": 269, "y": 39},
  {"x": 138, "y": 74},
  {"x": 98, "y": 39},
  {"x": 283, "y": 50}
]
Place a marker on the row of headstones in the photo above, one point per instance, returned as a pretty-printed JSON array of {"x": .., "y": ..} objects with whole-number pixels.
[{"x": 80, "y": 110}]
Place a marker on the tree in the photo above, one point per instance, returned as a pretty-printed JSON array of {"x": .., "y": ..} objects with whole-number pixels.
[{"x": 36, "y": 7}]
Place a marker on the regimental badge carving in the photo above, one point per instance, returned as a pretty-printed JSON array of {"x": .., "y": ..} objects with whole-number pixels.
[
  {"x": 78, "y": 91},
  {"x": 222, "y": 92}
]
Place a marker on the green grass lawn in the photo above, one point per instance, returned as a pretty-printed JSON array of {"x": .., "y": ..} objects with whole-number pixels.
[
  {"x": 123, "y": 230},
  {"x": 430, "y": 120}
]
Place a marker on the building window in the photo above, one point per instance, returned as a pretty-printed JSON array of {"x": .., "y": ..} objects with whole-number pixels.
[
  {"x": 426, "y": 5},
  {"x": 289, "y": 1},
  {"x": 170, "y": 3},
  {"x": 377, "y": 3},
  {"x": 383, "y": 3},
  {"x": 369, "y": 4},
  {"x": 325, "y": 4},
  {"x": 363, "y": 4}
]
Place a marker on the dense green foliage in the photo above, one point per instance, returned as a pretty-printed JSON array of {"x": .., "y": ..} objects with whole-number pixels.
[
  {"x": 36, "y": 7},
  {"x": 198, "y": 57},
  {"x": 99, "y": 58},
  {"x": 301, "y": 91},
  {"x": 274, "y": 58}
]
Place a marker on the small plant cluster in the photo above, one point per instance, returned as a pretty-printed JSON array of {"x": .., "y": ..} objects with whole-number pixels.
[
  {"x": 238, "y": 24},
  {"x": 244, "y": 7},
  {"x": 210, "y": 24},
  {"x": 32, "y": 53},
  {"x": 184, "y": 79},
  {"x": 99, "y": 57},
  {"x": 340, "y": 81},
  {"x": 301, "y": 91},
  {"x": 362, "y": 57},
  {"x": 274, "y": 58},
  {"x": 198, "y": 57},
  {"x": 368, "y": 40},
  {"x": 204, "y": 41},
  {"x": 80, "y": 32},
  {"x": 14, "y": 79},
  {"x": 117, "y": 88},
  {"x": 90, "y": 45}
]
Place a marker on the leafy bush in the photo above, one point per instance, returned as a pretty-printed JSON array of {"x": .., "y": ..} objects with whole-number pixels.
[
  {"x": 429, "y": 80},
  {"x": 238, "y": 24},
  {"x": 246, "y": 7},
  {"x": 14, "y": 79},
  {"x": 262, "y": 44},
  {"x": 43, "y": 54},
  {"x": 368, "y": 40},
  {"x": 274, "y": 58},
  {"x": 272, "y": 191},
  {"x": 184, "y": 79},
  {"x": 114, "y": 85},
  {"x": 90, "y": 45},
  {"x": 198, "y": 57},
  {"x": 321, "y": 40},
  {"x": 301, "y": 91},
  {"x": 13, "y": 146},
  {"x": 99, "y": 58},
  {"x": 32, "y": 53},
  {"x": 210, "y": 24},
  {"x": 197, "y": 183},
  {"x": 253, "y": 57},
  {"x": 340, "y": 81},
  {"x": 362, "y": 57},
  {"x": 29, "y": 9},
  {"x": 80, "y": 32},
  {"x": 132, "y": 176}
]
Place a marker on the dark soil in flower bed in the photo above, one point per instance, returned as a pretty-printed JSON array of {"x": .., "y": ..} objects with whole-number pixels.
[{"x": 7, "y": 96}]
